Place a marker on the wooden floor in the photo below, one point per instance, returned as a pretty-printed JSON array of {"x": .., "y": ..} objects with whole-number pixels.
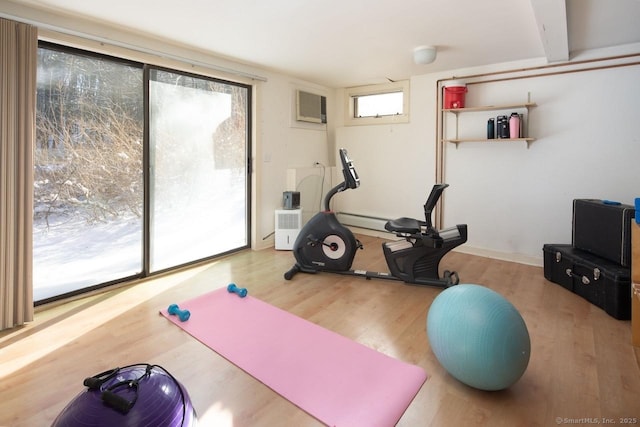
[{"x": 583, "y": 368}]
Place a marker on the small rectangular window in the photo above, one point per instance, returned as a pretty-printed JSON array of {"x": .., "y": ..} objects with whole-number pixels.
[{"x": 377, "y": 104}]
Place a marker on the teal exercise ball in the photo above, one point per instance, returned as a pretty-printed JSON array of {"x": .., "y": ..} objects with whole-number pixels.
[{"x": 478, "y": 336}]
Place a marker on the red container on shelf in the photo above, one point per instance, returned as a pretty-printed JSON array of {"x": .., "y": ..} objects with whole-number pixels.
[{"x": 454, "y": 93}]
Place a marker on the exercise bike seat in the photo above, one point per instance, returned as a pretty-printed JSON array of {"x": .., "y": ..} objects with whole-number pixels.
[
  {"x": 405, "y": 225},
  {"x": 417, "y": 227}
]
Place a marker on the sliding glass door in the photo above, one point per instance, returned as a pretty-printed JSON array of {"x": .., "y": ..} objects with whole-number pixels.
[
  {"x": 198, "y": 151},
  {"x": 137, "y": 170},
  {"x": 88, "y": 181}
]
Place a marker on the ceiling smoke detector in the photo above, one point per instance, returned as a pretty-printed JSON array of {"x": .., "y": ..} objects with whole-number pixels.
[{"x": 424, "y": 54}]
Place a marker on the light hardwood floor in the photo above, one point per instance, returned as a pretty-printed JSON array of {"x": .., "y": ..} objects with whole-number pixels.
[{"x": 583, "y": 368}]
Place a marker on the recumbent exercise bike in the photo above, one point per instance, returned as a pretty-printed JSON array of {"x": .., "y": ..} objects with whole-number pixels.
[{"x": 324, "y": 244}]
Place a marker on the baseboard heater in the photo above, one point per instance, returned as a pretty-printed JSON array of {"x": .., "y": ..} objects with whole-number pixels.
[{"x": 362, "y": 221}]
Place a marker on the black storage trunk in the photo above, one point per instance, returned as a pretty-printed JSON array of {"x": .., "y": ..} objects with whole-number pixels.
[
  {"x": 598, "y": 280},
  {"x": 557, "y": 260},
  {"x": 603, "y": 228}
]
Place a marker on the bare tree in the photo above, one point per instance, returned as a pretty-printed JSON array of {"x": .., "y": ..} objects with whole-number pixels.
[{"x": 89, "y": 136}]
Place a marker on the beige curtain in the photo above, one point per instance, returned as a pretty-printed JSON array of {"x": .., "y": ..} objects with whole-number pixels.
[{"x": 18, "y": 59}]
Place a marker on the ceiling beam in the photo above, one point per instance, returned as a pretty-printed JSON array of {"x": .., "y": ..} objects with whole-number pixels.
[{"x": 551, "y": 18}]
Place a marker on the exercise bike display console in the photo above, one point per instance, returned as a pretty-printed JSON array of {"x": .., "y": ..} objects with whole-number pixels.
[{"x": 325, "y": 245}]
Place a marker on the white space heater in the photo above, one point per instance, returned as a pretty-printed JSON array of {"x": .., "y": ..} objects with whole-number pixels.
[{"x": 288, "y": 225}]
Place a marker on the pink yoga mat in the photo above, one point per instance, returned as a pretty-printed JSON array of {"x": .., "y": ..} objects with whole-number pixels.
[{"x": 336, "y": 380}]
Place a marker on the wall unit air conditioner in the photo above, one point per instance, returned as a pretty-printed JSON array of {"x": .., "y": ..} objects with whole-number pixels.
[
  {"x": 311, "y": 107},
  {"x": 288, "y": 225}
]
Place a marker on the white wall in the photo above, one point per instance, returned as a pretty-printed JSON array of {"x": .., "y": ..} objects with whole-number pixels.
[
  {"x": 282, "y": 144},
  {"x": 395, "y": 162},
  {"x": 514, "y": 199}
]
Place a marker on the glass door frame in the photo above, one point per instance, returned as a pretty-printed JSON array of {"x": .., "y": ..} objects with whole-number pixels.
[
  {"x": 146, "y": 245},
  {"x": 146, "y": 235}
]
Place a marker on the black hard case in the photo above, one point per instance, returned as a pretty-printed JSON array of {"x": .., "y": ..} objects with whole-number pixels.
[
  {"x": 596, "y": 279},
  {"x": 603, "y": 228}
]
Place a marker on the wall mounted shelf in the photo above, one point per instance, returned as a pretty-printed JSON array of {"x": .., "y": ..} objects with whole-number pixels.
[
  {"x": 457, "y": 141},
  {"x": 491, "y": 108},
  {"x": 507, "y": 107}
]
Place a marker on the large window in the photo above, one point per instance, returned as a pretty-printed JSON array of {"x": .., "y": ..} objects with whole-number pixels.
[
  {"x": 137, "y": 170},
  {"x": 88, "y": 183},
  {"x": 198, "y": 174}
]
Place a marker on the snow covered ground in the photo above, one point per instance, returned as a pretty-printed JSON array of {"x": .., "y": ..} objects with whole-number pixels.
[{"x": 72, "y": 254}]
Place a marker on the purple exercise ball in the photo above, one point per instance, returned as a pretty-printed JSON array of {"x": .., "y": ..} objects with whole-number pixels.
[{"x": 161, "y": 402}]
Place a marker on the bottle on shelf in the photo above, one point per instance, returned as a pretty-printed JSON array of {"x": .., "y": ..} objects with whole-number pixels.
[
  {"x": 491, "y": 129},
  {"x": 502, "y": 123},
  {"x": 514, "y": 126}
]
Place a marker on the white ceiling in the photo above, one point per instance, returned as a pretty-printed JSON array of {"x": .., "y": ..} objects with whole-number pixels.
[{"x": 342, "y": 43}]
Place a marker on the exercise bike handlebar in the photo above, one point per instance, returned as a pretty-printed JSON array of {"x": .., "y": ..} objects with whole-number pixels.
[{"x": 351, "y": 179}]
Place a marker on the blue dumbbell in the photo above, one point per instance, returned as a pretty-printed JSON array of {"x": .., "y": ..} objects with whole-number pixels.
[
  {"x": 232, "y": 288},
  {"x": 183, "y": 315}
]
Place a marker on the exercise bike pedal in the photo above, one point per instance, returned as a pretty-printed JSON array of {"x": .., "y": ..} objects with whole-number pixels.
[
  {"x": 451, "y": 277},
  {"x": 312, "y": 241}
]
